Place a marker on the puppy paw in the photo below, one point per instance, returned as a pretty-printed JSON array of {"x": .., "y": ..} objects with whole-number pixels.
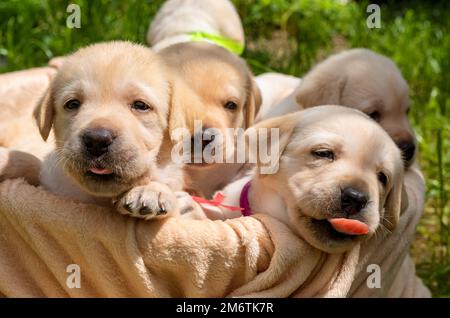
[
  {"x": 188, "y": 207},
  {"x": 148, "y": 202}
]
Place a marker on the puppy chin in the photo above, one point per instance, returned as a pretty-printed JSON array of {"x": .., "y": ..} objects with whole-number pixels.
[
  {"x": 121, "y": 177},
  {"x": 98, "y": 186},
  {"x": 201, "y": 166},
  {"x": 212, "y": 162},
  {"x": 313, "y": 226},
  {"x": 322, "y": 236}
]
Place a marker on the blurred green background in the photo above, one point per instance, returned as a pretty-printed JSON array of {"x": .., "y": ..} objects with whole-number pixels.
[{"x": 290, "y": 37}]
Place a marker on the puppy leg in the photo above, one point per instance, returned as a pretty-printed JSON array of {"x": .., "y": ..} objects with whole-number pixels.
[
  {"x": 18, "y": 164},
  {"x": 153, "y": 200}
]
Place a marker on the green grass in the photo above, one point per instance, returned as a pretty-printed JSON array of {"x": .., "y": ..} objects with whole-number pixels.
[{"x": 289, "y": 37}]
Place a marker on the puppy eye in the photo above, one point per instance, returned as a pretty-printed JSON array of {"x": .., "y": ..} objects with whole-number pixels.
[
  {"x": 140, "y": 106},
  {"x": 324, "y": 154},
  {"x": 72, "y": 104},
  {"x": 375, "y": 115},
  {"x": 230, "y": 105},
  {"x": 382, "y": 178}
]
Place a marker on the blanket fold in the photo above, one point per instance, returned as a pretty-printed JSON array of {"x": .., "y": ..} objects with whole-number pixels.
[
  {"x": 390, "y": 251},
  {"x": 41, "y": 235}
]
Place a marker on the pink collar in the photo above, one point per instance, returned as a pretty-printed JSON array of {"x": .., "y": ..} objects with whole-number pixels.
[{"x": 243, "y": 200}]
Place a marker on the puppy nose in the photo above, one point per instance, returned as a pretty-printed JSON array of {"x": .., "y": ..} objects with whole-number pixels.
[
  {"x": 352, "y": 200},
  {"x": 408, "y": 149},
  {"x": 97, "y": 141},
  {"x": 203, "y": 138},
  {"x": 208, "y": 137}
]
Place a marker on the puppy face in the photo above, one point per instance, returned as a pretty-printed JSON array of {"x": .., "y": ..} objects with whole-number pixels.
[
  {"x": 368, "y": 82},
  {"x": 336, "y": 163},
  {"x": 109, "y": 106},
  {"x": 214, "y": 87}
]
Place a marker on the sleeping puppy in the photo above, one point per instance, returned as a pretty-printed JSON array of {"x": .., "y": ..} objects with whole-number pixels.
[
  {"x": 329, "y": 189},
  {"x": 109, "y": 106},
  {"x": 216, "y": 88},
  {"x": 177, "y": 20},
  {"x": 364, "y": 80}
]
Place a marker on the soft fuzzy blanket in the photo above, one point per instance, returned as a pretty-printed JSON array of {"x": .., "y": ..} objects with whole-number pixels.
[{"x": 42, "y": 235}]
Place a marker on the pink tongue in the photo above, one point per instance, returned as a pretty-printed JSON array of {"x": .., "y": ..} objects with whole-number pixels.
[
  {"x": 347, "y": 226},
  {"x": 100, "y": 171}
]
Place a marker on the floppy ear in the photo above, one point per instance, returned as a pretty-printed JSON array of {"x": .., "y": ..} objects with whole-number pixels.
[
  {"x": 44, "y": 113},
  {"x": 318, "y": 89},
  {"x": 182, "y": 109},
  {"x": 252, "y": 104},
  {"x": 176, "y": 119},
  {"x": 260, "y": 135},
  {"x": 395, "y": 202}
]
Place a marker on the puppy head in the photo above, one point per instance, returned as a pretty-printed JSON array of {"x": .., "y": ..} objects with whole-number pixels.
[
  {"x": 212, "y": 86},
  {"x": 337, "y": 164},
  {"x": 366, "y": 81},
  {"x": 108, "y": 105}
]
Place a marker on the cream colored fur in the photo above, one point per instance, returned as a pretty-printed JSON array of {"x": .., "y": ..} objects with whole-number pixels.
[{"x": 176, "y": 18}]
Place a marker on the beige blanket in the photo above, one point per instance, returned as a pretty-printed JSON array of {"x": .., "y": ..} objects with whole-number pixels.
[{"x": 41, "y": 235}]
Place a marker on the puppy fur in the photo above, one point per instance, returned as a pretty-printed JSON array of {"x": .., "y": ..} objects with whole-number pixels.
[
  {"x": 21, "y": 146},
  {"x": 306, "y": 191},
  {"x": 95, "y": 91},
  {"x": 276, "y": 88},
  {"x": 215, "y": 87},
  {"x": 360, "y": 79},
  {"x": 176, "y": 18},
  {"x": 210, "y": 76}
]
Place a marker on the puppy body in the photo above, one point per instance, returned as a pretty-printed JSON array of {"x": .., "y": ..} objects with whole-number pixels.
[
  {"x": 215, "y": 88},
  {"x": 276, "y": 89},
  {"x": 22, "y": 90},
  {"x": 210, "y": 77},
  {"x": 177, "y": 18},
  {"x": 322, "y": 153},
  {"x": 109, "y": 107},
  {"x": 21, "y": 146},
  {"x": 360, "y": 79}
]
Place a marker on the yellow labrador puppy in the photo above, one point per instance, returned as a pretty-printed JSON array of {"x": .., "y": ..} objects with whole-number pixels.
[
  {"x": 329, "y": 188},
  {"x": 180, "y": 21},
  {"x": 215, "y": 88},
  {"x": 109, "y": 106},
  {"x": 361, "y": 79}
]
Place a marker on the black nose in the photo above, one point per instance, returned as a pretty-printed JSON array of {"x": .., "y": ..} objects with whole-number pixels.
[
  {"x": 408, "y": 149},
  {"x": 208, "y": 137},
  {"x": 352, "y": 200},
  {"x": 97, "y": 141},
  {"x": 203, "y": 138}
]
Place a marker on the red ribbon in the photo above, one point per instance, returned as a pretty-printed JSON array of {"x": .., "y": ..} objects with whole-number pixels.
[{"x": 217, "y": 201}]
